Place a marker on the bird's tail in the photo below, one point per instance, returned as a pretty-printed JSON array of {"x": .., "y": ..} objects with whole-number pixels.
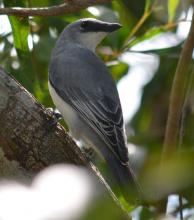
[{"x": 125, "y": 177}]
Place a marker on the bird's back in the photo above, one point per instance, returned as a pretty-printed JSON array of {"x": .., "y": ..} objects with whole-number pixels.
[{"x": 76, "y": 64}]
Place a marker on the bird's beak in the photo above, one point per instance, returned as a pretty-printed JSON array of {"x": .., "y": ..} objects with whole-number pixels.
[
  {"x": 110, "y": 27},
  {"x": 104, "y": 27}
]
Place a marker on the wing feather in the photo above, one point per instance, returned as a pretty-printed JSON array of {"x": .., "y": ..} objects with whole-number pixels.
[{"x": 102, "y": 115}]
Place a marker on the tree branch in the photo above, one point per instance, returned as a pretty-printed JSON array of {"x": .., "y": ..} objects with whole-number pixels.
[
  {"x": 176, "y": 104},
  {"x": 70, "y": 6},
  {"x": 177, "y": 95},
  {"x": 25, "y": 135},
  {"x": 28, "y": 143}
]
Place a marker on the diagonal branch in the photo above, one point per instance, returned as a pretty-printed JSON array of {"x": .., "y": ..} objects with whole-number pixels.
[
  {"x": 28, "y": 143},
  {"x": 70, "y": 6}
]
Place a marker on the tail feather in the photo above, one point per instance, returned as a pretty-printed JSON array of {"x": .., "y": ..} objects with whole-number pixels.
[{"x": 125, "y": 177}]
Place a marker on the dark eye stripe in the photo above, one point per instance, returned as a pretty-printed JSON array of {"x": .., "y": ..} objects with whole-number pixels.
[
  {"x": 88, "y": 26},
  {"x": 84, "y": 24},
  {"x": 96, "y": 26}
]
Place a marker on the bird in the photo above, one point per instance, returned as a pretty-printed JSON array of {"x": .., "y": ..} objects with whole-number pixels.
[{"x": 85, "y": 94}]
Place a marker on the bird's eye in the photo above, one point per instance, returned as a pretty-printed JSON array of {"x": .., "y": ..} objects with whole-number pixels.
[{"x": 83, "y": 24}]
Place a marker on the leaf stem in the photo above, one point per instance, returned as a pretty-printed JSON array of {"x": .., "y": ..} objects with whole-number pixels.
[{"x": 177, "y": 95}]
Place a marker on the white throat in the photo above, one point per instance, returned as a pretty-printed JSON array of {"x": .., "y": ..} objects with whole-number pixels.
[{"x": 92, "y": 39}]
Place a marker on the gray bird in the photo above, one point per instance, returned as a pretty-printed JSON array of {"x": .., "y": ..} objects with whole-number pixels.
[{"x": 85, "y": 94}]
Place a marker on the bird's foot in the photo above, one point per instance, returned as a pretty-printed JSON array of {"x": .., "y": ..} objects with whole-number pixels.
[
  {"x": 55, "y": 117},
  {"x": 89, "y": 153}
]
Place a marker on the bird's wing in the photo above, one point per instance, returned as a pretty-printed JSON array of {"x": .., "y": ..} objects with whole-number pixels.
[
  {"x": 103, "y": 115},
  {"x": 99, "y": 107}
]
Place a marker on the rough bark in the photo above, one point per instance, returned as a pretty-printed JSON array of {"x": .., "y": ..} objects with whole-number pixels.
[
  {"x": 25, "y": 133},
  {"x": 28, "y": 143}
]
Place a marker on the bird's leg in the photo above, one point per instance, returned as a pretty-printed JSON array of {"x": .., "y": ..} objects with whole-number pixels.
[
  {"x": 55, "y": 117},
  {"x": 89, "y": 152}
]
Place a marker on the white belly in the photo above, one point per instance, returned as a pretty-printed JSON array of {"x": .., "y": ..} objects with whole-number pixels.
[
  {"x": 79, "y": 130},
  {"x": 68, "y": 113}
]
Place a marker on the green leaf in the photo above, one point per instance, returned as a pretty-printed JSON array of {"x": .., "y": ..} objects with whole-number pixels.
[
  {"x": 16, "y": 3},
  {"x": 146, "y": 214},
  {"x": 126, "y": 17},
  {"x": 147, "y": 35},
  {"x": 172, "y": 6},
  {"x": 45, "y": 3},
  {"x": 118, "y": 70},
  {"x": 20, "y": 29}
]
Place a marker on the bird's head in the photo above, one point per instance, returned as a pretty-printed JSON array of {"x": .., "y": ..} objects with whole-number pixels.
[{"x": 88, "y": 32}]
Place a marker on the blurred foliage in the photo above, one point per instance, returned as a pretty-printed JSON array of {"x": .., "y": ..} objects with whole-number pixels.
[
  {"x": 150, "y": 120},
  {"x": 25, "y": 52}
]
